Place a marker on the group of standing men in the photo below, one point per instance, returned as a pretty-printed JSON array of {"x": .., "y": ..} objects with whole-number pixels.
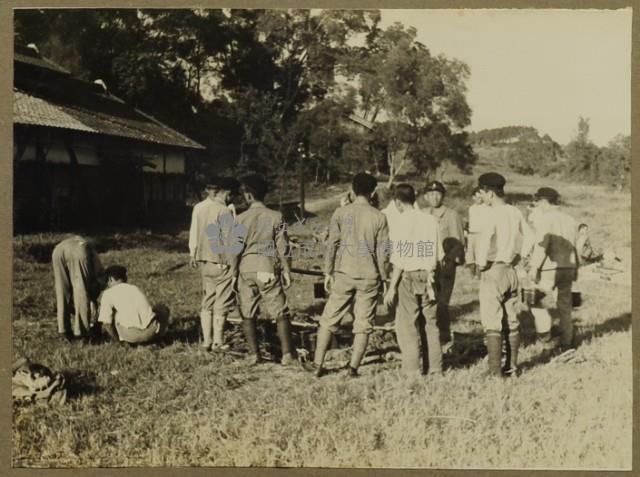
[
  {"x": 418, "y": 287},
  {"x": 367, "y": 257}
]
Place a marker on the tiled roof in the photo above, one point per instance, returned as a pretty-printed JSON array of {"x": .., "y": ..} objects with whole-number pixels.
[
  {"x": 40, "y": 62},
  {"x": 60, "y": 101}
]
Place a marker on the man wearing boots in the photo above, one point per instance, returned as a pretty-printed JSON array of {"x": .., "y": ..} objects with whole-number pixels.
[
  {"x": 356, "y": 263},
  {"x": 212, "y": 249},
  {"x": 263, "y": 270},
  {"x": 414, "y": 267},
  {"x": 554, "y": 261},
  {"x": 500, "y": 247},
  {"x": 452, "y": 237}
]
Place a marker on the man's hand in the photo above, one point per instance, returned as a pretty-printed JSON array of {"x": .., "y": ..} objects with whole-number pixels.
[
  {"x": 389, "y": 297},
  {"x": 193, "y": 262},
  {"x": 286, "y": 280},
  {"x": 328, "y": 283}
]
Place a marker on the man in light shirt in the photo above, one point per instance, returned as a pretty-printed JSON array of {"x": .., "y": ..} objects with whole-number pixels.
[
  {"x": 500, "y": 246},
  {"x": 554, "y": 261},
  {"x": 415, "y": 259},
  {"x": 214, "y": 249},
  {"x": 478, "y": 218},
  {"x": 125, "y": 312}
]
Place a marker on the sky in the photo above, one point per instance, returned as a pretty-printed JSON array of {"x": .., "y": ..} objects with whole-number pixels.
[{"x": 540, "y": 68}]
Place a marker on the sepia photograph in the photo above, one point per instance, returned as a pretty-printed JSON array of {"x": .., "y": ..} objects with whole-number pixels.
[{"x": 321, "y": 238}]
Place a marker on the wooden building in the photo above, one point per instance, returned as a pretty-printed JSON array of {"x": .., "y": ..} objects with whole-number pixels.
[{"x": 83, "y": 157}]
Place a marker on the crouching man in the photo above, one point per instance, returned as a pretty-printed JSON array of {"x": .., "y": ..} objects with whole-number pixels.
[
  {"x": 125, "y": 312},
  {"x": 78, "y": 282}
]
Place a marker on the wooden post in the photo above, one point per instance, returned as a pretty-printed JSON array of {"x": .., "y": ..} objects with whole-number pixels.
[{"x": 301, "y": 158}]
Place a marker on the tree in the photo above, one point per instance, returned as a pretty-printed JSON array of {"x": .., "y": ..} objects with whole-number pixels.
[
  {"x": 306, "y": 51},
  {"x": 418, "y": 100},
  {"x": 532, "y": 154},
  {"x": 582, "y": 155}
]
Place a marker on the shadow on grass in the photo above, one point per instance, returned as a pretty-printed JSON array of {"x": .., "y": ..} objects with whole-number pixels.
[
  {"x": 616, "y": 324},
  {"x": 80, "y": 383}
]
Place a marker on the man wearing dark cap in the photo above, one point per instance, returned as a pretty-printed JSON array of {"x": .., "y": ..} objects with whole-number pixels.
[
  {"x": 554, "y": 261},
  {"x": 452, "y": 236},
  {"x": 500, "y": 245},
  {"x": 212, "y": 224}
]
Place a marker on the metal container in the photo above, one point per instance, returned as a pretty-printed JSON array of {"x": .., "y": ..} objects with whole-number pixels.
[
  {"x": 576, "y": 299},
  {"x": 531, "y": 296}
]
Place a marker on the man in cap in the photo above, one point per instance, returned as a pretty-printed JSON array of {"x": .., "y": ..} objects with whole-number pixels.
[
  {"x": 500, "y": 246},
  {"x": 356, "y": 263},
  {"x": 77, "y": 278},
  {"x": 452, "y": 237},
  {"x": 213, "y": 249},
  {"x": 554, "y": 261}
]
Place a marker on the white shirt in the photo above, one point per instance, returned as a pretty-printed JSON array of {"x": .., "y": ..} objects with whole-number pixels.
[
  {"x": 417, "y": 243},
  {"x": 127, "y": 304},
  {"x": 506, "y": 235},
  {"x": 479, "y": 217},
  {"x": 392, "y": 214},
  {"x": 205, "y": 213}
]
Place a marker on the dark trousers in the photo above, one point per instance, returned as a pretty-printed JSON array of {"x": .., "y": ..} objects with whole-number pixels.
[{"x": 446, "y": 278}]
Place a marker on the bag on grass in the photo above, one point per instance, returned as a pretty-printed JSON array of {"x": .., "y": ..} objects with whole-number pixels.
[{"x": 32, "y": 382}]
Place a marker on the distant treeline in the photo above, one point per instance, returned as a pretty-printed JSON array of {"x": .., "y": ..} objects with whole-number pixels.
[
  {"x": 526, "y": 152},
  {"x": 500, "y": 136}
]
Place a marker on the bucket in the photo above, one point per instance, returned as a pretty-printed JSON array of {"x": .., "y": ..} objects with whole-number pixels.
[
  {"x": 576, "y": 299},
  {"x": 531, "y": 296}
]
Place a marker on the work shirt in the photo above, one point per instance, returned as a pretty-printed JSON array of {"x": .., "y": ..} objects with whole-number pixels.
[
  {"x": 478, "y": 217},
  {"x": 417, "y": 245},
  {"x": 127, "y": 305},
  {"x": 504, "y": 237},
  {"x": 212, "y": 226},
  {"x": 265, "y": 244},
  {"x": 451, "y": 232},
  {"x": 358, "y": 243},
  {"x": 555, "y": 242}
]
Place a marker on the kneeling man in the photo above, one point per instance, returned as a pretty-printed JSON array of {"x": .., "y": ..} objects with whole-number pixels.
[{"x": 125, "y": 312}]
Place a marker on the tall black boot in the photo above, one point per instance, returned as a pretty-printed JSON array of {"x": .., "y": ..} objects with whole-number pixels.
[
  {"x": 251, "y": 336},
  {"x": 511, "y": 366},
  {"x": 283, "y": 326},
  {"x": 494, "y": 351}
]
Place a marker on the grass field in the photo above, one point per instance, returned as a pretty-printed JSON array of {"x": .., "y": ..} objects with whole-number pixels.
[{"x": 175, "y": 405}]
